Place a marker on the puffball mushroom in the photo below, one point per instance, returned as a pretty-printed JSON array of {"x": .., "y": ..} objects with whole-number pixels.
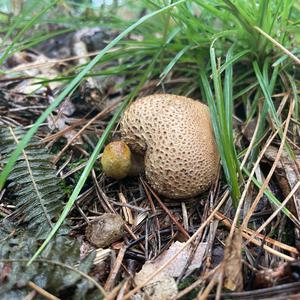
[{"x": 175, "y": 137}]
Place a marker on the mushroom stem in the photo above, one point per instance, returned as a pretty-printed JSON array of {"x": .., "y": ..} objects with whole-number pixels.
[{"x": 137, "y": 164}]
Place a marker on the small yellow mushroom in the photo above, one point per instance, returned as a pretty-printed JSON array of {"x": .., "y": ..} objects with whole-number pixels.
[{"x": 116, "y": 160}]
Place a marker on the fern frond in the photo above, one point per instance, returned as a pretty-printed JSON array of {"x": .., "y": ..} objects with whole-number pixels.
[
  {"x": 56, "y": 270},
  {"x": 33, "y": 181}
]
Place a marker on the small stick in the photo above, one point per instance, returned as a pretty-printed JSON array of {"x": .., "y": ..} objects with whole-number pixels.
[
  {"x": 286, "y": 51},
  {"x": 203, "y": 295},
  {"x": 58, "y": 134},
  {"x": 41, "y": 291},
  {"x": 114, "y": 292},
  {"x": 269, "y": 249},
  {"x": 115, "y": 269},
  {"x": 185, "y": 216},
  {"x": 126, "y": 210},
  {"x": 243, "y": 196},
  {"x": 109, "y": 207},
  {"x": 123, "y": 289},
  {"x": 101, "y": 195},
  {"x": 259, "y": 243},
  {"x": 251, "y": 232}
]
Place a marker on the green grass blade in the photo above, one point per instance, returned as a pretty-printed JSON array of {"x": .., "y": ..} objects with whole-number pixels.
[
  {"x": 295, "y": 95},
  {"x": 228, "y": 95},
  {"x": 24, "y": 29},
  {"x": 221, "y": 109},
  {"x": 285, "y": 57},
  {"x": 233, "y": 59},
  {"x": 269, "y": 105},
  {"x": 169, "y": 67},
  {"x": 242, "y": 17},
  {"x": 245, "y": 90},
  {"x": 17, "y": 22},
  {"x": 266, "y": 92},
  {"x": 214, "y": 115}
]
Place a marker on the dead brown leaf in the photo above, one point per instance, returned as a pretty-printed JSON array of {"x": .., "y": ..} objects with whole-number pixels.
[
  {"x": 175, "y": 268},
  {"x": 163, "y": 286}
]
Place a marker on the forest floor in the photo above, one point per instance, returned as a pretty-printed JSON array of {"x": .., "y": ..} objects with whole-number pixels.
[{"x": 68, "y": 72}]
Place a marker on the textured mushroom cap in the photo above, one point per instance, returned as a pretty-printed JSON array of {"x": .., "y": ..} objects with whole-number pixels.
[{"x": 176, "y": 137}]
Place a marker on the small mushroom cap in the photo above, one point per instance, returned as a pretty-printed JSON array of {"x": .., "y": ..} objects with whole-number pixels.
[
  {"x": 175, "y": 135},
  {"x": 116, "y": 160}
]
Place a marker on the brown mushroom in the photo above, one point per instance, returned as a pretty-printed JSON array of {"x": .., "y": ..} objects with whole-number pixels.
[{"x": 175, "y": 136}]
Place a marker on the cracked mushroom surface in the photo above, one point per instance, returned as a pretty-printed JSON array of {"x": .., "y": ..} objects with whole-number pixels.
[{"x": 175, "y": 136}]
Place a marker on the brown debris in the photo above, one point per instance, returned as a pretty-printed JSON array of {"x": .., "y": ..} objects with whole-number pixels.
[
  {"x": 285, "y": 273},
  {"x": 105, "y": 230},
  {"x": 233, "y": 276}
]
